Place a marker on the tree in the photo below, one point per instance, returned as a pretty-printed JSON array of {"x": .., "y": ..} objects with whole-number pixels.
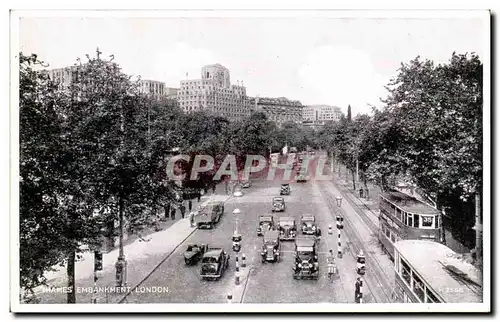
[
  {"x": 436, "y": 120},
  {"x": 40, "y": 175}
]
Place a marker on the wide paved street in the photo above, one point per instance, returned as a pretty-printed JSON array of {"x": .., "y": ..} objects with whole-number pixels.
[{"x": 266, "y": 282}]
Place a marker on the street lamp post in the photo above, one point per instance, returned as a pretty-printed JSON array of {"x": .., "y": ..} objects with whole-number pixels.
[
  {"x": 340, "y": 226},
  {"x": 236, "y": 238}
]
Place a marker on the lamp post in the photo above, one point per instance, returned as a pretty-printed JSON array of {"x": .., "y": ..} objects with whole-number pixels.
[
  {"x": 340, "y": 226},
  {"x": 236, "y": 213},
  {"x": 236, "y": 238}
]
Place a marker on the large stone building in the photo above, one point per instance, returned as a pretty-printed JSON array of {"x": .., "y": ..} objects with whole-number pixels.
[
  {"x": 62, "y": 76},
  {"x": 279, "y": 110},
  {"x": 214, "y": 93},
  {"x": 152, "y": 87},
  {"x": 318, "y": 115}
]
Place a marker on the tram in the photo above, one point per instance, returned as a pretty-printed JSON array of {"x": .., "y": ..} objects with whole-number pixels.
[
  {"x": 430, "y": 272},
  {"x": 403, "y": 217}
]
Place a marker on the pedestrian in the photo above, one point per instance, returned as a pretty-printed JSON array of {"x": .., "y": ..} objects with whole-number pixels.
[
  {"x": 172, "y": 213},
  {"x": 190, "y": 204},
  {"x": 199, "y": 196},
  {"x": 167, "y": 210},
  {"x": 213, "y": 187},
  {"x": 330, "y": 260},
  {"x": 183, "y": 210},
  {"x": 191, "y": 219}
]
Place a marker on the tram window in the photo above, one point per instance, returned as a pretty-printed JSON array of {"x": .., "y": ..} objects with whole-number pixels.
[
  {"x": 393, "y": 238},
  {"x": 416, "y": 221},
  {"x": 410, "y": 220},
  {"x": 418, "y": 287},
  {"x": 405, "y": 218},
  {"x": 431, "y": 298},
  {"x": 388, "y": 233},
  {"x": 427, "y": 221},
  {"x": 405, "y": 271},
  {"x": 398, "y": 214}
]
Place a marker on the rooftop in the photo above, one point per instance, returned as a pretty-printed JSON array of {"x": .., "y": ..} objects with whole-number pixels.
[
  {"x": 305, "y": 242},
  {"x": 431, "y": 259},
  {"x": 408, "y": 203}
]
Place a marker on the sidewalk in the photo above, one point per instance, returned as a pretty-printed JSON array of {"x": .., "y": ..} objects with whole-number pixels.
[{"x": 141, "y": 256}]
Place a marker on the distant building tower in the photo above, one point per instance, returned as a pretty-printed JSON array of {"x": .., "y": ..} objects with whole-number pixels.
[
  {"x": 214, "y": 93},
  {"x": 218, "y": 73}
]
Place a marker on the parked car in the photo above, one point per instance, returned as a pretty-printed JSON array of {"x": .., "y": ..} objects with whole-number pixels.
[
  {"x": 287, "y": 228},
  {"x": 214, "y": 263},
  {"x": 278, "y": 204},
  {"x": 285, "y": 189},
  {"x": 266, "y": 222},
  {"x": 309, "y": 226},
  {"x": 306, "y": 259},
  {"x": 194, "y": 253},
  {"x": 271, "y": 247},
  {"x": 209, "y": 214}
]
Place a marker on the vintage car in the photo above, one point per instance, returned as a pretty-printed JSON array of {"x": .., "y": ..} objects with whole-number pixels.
[
  {"x": 214, "y": 263},
  {"x": 285, "y": 189},
  {"x": 306, "y": 263},
  {"x": 266, "y": 222},
  {"x": 287, "y": 228},
  {"x": 209, "y": 214},
  {"x": 271, "y": 248},
  {"x": 309, "y": 226},
  {"x": 278, "y": 204},
  {"x": 301, "y": 177},
  {"x": 246, "y": 184},
  {"x": 194, "y": 253}
]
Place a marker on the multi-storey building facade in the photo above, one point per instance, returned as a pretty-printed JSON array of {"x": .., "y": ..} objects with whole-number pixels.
[
  {"x": 321, "y": 113},
  {"x": 316, "y": 116},
  {"x": 63, "y": 76},
  {"x": 214, "y": 92},
  {"x": 279, "y": 110},
  {"x": 152, "y": 87}
]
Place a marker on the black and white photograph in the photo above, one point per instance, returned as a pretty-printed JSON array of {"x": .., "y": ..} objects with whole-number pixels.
[{"x": 261, "y": 160}]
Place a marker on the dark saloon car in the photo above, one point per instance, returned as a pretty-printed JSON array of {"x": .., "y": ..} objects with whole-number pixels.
[
  {"x": 309, "y": 226},
  {"x": 266, "y": 223},
  {"x": 271, "y": 247},
  {"x": 306, "y": 259},
  {"x": 278, "y": 204},
  {"x": 214, "y": 263},
  {"x": 285, "y": 189},
  {"x": 287, "y": 228}
]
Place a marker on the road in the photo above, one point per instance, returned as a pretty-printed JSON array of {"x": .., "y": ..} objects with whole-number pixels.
[{"x": 268, "y": 282}]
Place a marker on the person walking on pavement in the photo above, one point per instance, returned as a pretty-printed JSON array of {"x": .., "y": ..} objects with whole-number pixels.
[
  {"x": 183, "y": 210},
  {"x": 191, "y": 218},
  {"x": 190, "y": 205},
  {"x": 330, "y": 261}
]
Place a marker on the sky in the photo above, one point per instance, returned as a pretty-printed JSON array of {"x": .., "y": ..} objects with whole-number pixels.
[{"x": 317, "y": 60}]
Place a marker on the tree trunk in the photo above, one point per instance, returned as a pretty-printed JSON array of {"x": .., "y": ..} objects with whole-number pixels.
[
  {"x": 70, "y": 271},
  {"x": 353, "y": 180}
]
